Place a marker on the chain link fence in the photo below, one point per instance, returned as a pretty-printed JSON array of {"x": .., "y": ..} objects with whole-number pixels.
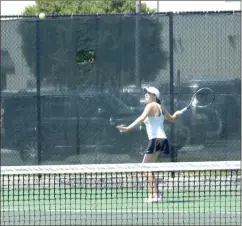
[{"x": 66, "y": 81}]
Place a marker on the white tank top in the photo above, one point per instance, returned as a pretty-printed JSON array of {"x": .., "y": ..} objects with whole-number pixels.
[{"x": 155, "y": 126}]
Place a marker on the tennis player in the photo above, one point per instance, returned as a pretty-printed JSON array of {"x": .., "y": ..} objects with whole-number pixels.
[{"x": 153, "y": 118}]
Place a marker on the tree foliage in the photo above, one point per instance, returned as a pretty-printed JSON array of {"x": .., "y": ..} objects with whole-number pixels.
[
  {"x": 83, "y": 6},
  {"x": 107, "y": 42}
]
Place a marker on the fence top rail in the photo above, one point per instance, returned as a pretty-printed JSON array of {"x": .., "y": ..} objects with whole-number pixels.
[{"x": 129, "y": 14}]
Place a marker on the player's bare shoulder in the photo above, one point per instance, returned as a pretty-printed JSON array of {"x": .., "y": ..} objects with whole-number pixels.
[{"x": 151, "y": 105}]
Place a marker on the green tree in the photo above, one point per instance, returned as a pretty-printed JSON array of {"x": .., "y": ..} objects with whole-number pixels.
[
  {"x": 110, "y": 39},
  {"x": 83, "y": 6}
]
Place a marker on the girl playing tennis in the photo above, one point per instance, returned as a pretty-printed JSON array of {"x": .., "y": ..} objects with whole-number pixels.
[{"x": 153, "y": 118}]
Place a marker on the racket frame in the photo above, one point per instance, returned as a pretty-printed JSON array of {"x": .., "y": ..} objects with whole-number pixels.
[{"x": 194, "y": 96}]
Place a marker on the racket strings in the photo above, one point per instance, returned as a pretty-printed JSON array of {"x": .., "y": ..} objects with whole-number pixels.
[{"x": 203, "y": 97}]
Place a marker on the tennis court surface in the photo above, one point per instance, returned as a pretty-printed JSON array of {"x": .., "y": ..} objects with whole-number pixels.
[{"x": 194, "y": 193}]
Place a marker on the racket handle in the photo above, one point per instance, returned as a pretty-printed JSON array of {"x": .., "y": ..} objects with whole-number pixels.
[{"x": 183, "y": 110}]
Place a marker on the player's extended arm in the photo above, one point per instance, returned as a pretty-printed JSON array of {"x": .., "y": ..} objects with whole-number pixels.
[
  {"x": 141, "y": 118},
  {"x": 170, "y": 117}
]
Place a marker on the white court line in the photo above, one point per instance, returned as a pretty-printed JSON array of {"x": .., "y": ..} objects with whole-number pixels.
[{"x": 119, "y": 211}]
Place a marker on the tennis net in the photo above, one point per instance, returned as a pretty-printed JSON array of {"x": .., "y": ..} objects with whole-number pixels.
[{"x": 193, "y": 193}]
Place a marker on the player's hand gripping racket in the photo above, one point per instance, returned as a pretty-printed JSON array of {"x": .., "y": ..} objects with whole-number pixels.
[{"x": 204, "y": 97}]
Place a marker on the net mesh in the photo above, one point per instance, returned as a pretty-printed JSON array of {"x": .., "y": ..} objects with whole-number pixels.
[{"x": 198, "y": 193}]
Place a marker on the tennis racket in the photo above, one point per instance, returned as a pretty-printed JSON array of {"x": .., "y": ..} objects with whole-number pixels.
[{"x": 204, "y": 97}]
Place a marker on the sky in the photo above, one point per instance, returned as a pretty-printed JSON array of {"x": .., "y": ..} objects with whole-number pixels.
[{"x": 17, "y": 7}]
